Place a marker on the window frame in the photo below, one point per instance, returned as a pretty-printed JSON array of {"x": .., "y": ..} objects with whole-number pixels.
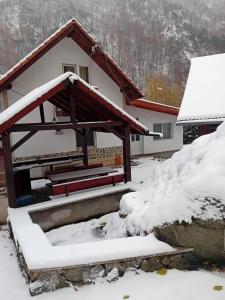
[
  {"x": 69, "y": 65},
  {"x": 135, "y": 137},
  {"x": 156, "y": 138},
  {"x": 77, "y": 69}
]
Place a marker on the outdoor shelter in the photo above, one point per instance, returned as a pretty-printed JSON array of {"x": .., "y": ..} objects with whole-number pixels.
[{"x": 87, "y": 109}]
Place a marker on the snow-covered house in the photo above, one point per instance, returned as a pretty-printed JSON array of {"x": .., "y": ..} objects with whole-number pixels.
[
  {"x": 203, "y": 102},
  {"x": 72, "y": 49}
]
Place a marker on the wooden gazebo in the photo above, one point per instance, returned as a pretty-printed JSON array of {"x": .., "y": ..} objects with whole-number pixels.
[{"x": 87, "y": 109}]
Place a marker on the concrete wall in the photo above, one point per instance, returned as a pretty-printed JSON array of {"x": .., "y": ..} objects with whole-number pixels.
[
  {"x": 78, "y": 211},
  {"x": 206, "y": 237},
  {"x": 3, "y": 207}
]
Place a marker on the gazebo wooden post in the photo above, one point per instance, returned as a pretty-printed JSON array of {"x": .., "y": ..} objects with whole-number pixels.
[
  {"x": 126, "y": 154},
  {"x": 85, "y": 146},
  {"x": 42, "y": 113},
  {"x": 72, "y": 105},
  {"x": 7, "y": 151},
  {"x": 72, "y": 109}
]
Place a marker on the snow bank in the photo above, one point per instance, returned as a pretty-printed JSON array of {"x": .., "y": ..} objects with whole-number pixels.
[{"x": 189, "y": 185}]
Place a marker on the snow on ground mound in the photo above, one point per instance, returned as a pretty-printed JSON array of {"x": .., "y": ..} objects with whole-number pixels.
[{"x": 189, "y": 185}]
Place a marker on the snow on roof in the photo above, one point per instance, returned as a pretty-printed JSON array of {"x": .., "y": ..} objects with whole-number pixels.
[
  {"x": 76, "y": 77},
  {"x": 204, "y": 97},
  {"x": 32, "y": 96},
  {"x": 189, "y": 185}
]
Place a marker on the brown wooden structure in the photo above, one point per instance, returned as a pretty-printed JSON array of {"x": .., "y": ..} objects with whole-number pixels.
[{"x": 87, "y": 110}]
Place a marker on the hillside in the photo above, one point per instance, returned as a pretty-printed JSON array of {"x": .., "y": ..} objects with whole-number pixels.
[{"x": 149, "y": 39}]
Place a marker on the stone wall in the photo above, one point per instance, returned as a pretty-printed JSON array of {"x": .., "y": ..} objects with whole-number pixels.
[
  {"x": 108, "y": 156},
  {"x": 49, "y": 280}
]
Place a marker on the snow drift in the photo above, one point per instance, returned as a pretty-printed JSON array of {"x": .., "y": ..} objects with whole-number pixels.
[{"x": 189, "y": 185}]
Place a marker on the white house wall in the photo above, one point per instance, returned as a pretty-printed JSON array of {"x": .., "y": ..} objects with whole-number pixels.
[
  {"x": 148, "y": 144},
  {"x": 107, "y": 140},
  {"x": 46, "y": 68}
]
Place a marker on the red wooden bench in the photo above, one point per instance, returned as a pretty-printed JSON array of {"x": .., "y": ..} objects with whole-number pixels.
[{"x": 69, "y": 187}]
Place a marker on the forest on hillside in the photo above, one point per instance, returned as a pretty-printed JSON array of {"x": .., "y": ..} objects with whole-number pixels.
[{"x": 152, "y": 40}]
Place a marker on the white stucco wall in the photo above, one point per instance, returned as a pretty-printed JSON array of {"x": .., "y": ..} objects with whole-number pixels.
[
  {"x": 107, "y": 140},
  {"x": 147, "y": 143},
  {"x": 45, "y": 69}
]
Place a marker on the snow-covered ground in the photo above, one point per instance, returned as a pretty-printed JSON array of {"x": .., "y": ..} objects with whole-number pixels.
[
  {"x": 84, "y": 232},
  {"x": 175, "y": 285}
]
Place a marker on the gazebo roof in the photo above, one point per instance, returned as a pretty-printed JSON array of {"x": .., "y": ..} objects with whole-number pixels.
[{"x": 90, "y": 105}]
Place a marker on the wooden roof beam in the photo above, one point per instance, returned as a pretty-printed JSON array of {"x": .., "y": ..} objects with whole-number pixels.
[
  {"x": 63, "y": 125},
  {"x": 23, "y": 140}
]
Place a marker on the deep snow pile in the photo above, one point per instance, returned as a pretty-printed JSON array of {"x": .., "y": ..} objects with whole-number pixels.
[{"x": 189, "y": 185}]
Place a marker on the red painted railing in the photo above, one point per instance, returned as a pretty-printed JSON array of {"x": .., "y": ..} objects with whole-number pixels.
[{"x": 69, "y": 187}]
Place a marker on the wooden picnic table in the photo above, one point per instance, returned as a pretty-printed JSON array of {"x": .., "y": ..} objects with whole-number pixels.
[{"x": 78, "y": 175}]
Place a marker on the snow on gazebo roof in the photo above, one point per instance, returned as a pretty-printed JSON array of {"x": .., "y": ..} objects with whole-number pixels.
[
  {"x": 204, "y": 97},
  {"x": 43, "y": 93}
]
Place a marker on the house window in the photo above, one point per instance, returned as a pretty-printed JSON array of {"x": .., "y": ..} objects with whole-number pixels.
[
  {"x": 69, "y": 68},
  {"x": 135, "y": 138},
  {"x": 164, "y": 128},
  {"x": 82, "y": 71},
  {"x": 90, "y": 139}
]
